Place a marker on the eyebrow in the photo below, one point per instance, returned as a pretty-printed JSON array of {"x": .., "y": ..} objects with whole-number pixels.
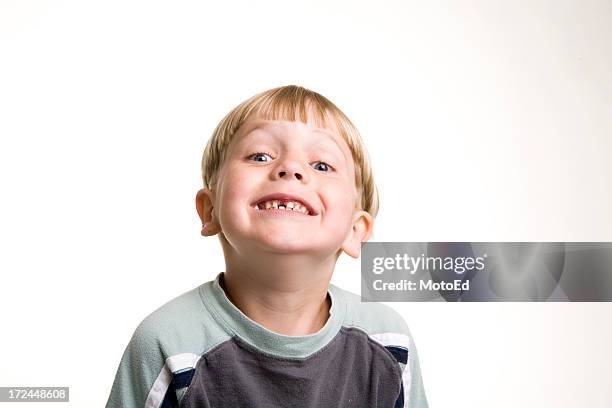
[
  {"x": 335, "y": 142},
  {"x": 265, "y": 127}
]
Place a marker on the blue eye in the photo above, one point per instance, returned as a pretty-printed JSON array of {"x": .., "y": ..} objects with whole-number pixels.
[
  {"x": 260, "y": 155},
  {"x": 325, "y": 166}
]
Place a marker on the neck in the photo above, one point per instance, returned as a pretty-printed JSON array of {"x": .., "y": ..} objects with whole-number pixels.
[{"x": 285, "y": 293}]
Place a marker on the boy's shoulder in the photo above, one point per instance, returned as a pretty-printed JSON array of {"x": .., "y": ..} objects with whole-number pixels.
[
  {"x": 182, "y": 324},
  {"x": 372, "y": 317},
  {"x": 164, "y": 349}
]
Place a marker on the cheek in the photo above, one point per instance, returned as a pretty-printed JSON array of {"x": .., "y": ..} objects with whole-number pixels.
[
  {"x": 341, "y": 202},
  {"x": 233, "y": 198},
  {"x": 235, "y": 187}
]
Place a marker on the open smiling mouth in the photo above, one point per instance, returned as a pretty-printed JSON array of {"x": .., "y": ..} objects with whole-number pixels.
[{"x": 283, "y": 207}]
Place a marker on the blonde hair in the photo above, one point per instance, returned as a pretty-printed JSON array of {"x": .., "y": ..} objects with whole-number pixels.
[{"x": 292, "y": 103}]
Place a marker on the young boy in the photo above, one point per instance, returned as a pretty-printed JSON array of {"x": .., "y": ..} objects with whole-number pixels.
[{"x": 287, "y": 188}]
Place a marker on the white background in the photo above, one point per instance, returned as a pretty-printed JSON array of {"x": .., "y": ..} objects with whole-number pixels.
[{"x": 485, "y": 121}]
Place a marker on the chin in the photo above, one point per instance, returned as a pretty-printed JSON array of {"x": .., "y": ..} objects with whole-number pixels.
[
  {"x": 284, "y": 246},
  {"x": 303, "y": 246}
]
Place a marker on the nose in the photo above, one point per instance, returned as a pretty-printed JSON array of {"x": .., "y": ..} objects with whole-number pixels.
[{"x": 291, "y": 168}]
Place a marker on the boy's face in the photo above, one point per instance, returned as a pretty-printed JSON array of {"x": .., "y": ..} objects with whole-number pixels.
[{"x": 312, "y": 164}]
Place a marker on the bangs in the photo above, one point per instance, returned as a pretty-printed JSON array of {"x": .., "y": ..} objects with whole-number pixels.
[{"x": 291, "y": 103}]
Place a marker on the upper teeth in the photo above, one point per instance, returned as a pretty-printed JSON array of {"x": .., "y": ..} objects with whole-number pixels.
[{"x": 282, "y": 205}]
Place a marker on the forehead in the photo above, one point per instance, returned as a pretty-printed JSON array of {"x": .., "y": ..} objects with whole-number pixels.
[{"x": 264, "y": 129}]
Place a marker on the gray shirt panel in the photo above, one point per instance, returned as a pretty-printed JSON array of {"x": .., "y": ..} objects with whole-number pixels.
[{"x": 350, "y": 371}]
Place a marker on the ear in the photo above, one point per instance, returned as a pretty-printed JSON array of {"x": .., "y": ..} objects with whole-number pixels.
[
  {"x": 363, "y": 224},
  {"x": 204, "y": 205}
]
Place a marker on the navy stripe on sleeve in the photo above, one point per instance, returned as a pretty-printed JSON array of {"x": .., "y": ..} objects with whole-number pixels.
[
  {"x": 183, "y": 379},
  {"x": 400, "y": 353},
  {"x": 170, "y": 400}
]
